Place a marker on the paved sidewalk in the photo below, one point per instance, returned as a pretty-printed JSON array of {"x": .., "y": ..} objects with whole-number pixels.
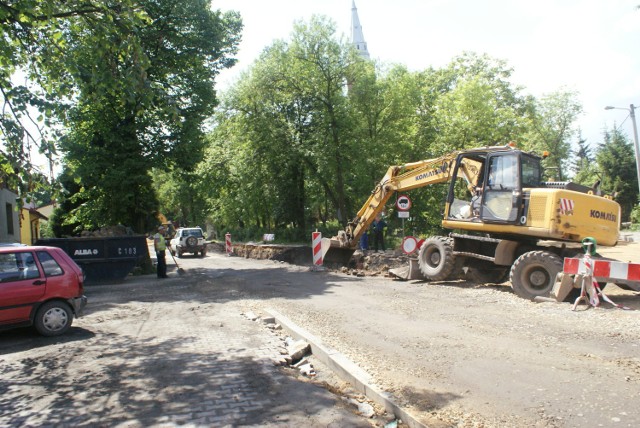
[{"x": 163, "y": 353}]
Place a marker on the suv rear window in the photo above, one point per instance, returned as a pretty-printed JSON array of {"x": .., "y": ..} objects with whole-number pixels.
[{"x": 193, "y": 232}]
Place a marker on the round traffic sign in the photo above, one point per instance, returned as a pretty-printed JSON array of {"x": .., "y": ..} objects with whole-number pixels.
[
  {"x": 409, "y": 244},
  {"x": 403, "y": 203}
]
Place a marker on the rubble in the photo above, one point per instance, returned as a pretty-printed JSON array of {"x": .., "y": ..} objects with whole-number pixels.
[
  {"x": 250, "y": 316},
  {"x": 297, "y": 355}
]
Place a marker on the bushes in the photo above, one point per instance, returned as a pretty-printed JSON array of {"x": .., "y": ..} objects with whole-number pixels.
[{"x": 635, "y": 218}]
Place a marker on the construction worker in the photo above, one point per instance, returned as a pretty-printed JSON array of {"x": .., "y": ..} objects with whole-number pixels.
[
  {"x": 160, "y": 245},
  {"x": 378, "y": 233}
]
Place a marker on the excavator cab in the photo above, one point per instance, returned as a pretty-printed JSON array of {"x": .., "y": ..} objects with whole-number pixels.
[{"x": 494, "y": 183}]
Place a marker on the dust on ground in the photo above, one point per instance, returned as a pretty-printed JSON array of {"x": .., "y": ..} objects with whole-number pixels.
[{"x": 468, "y": 354}]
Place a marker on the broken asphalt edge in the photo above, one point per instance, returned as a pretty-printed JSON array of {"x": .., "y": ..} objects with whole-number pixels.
[{"x": 346, "y": 370}]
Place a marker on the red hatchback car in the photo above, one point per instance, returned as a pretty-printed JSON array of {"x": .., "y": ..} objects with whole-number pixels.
[{"x": 40, "y": 286}]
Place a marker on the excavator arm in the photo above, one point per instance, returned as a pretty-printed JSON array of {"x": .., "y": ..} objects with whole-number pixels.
[{"x": 397, "y": 178}]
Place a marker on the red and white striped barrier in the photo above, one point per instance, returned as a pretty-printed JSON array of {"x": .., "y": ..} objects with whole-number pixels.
[
  {"x": 227, "y": 244},
  {"x": 592, "y": 272},
  {"x": 316, "y": 245},
  {"x": 604, "y": 270}
]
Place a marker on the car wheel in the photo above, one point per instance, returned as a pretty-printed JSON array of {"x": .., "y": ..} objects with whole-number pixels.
[
  {"x": 179, "y": 253},
  {"x": 53, "y": 318},
  {"x": 203, "y": 253},
  {"x": 192, "y": 241}
]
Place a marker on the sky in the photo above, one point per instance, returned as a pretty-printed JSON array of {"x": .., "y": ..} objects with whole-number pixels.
[{"x": 589, "y": 46}]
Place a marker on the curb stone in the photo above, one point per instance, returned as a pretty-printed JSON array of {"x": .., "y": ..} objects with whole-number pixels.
[{"x": 347, "y": 370}]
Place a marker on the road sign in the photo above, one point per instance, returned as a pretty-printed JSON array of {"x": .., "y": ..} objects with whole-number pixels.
[
  {"x": 403, "y": 214},
  {"x": 409, "y": 244},
  {"x": 403, "y": 203}
]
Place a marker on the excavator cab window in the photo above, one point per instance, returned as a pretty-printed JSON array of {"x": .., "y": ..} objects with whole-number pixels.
[
  {"x": 465, "y": 188},
  {"x": 502, "y": 193},
  {"x": 531, "y": 172}
]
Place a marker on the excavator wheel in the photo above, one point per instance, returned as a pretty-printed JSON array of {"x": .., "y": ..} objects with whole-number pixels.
[
  {"x": 436, "y": 259},
  {"x": 534, "y": 273}
]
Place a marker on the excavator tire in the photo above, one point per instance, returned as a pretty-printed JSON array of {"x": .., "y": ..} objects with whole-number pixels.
[
  {"x": 533, "y": 273},
  {"x": 436, "y": 259}
]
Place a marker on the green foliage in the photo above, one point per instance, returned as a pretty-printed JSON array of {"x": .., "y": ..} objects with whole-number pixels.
[
  {"x": 552, "y": 129},
  {"x": 46, "y": 230},
  {"x": 310, "y": 128},
  {"x": 37, "y": 37},
  {"x": 584, "y": 165},
  {"x": 635, "y": 217},
  {"x": 475, "y": 105},
  {"x": 285, "y": 133},
  {"x": 617, "y": 170},
  {"x": 142, "y": 105}
]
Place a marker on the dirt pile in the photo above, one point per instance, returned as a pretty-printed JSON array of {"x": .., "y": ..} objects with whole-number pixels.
[{"x": 108, "y": 231}]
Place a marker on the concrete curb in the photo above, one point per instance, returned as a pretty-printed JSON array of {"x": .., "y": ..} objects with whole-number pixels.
[{"x": 346, "y": 370}]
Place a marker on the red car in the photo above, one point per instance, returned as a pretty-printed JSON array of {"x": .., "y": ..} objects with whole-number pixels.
[{"x": 40, "y": 286}]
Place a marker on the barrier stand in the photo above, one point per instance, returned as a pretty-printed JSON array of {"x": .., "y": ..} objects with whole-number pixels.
[
  {"x": 590, "y": 289},
  {"x": 316, "y": 246},
  {"x": 227, "y": 244},
  {"x": 588, "y": 292}
]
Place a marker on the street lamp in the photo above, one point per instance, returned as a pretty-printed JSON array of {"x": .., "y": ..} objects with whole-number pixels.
[{"x": 632, "y": 113}]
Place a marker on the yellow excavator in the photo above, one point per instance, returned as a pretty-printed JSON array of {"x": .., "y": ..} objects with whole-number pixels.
[{"x": 506, "y": 222}]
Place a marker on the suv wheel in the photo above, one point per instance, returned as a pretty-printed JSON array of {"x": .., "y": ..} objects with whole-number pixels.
[
  {"x": 53, "y": 318},
  {"x": 192, "y": 241}
]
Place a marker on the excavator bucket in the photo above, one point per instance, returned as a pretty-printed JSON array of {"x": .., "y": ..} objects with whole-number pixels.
[
  {"x": 408, "y": 272},
  {"x": 335, "y": 254}
]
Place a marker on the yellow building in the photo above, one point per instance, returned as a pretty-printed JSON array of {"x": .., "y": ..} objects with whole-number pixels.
[{"x": 30, "y": 219}]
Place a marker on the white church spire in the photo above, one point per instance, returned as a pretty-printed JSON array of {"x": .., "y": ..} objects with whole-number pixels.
[{"x": 357, "y": 38}]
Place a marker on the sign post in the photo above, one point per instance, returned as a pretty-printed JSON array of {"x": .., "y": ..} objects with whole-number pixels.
[{"x": 403, "y": 203}]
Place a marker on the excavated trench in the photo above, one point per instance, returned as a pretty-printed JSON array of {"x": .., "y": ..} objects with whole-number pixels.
[{"x": 368, "y": 263}]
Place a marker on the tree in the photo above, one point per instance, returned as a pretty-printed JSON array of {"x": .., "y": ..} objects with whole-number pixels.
[
  {"x": 291, "y": 112},
  {"x": 584, "y": 166},
  {"x": 310, "y": 128},
  {"x": 33, "y": 49},
  {"x": 616, "y": 163},
  {"x": 553, "y": 128},
  {"x": 143, "y": 106}
]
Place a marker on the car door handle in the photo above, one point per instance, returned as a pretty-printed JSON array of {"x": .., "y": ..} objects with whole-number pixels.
[{"x": 39, "y": 282}]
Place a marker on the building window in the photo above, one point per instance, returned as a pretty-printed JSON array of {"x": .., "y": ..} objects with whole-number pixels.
[{"x": 9, "y": 212}]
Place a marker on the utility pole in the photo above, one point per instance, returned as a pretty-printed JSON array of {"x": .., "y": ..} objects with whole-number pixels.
[{"x": 632, "y": 114}]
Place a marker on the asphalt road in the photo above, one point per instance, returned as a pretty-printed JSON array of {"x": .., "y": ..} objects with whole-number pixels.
[
  {"x": 453, "y": 354},
  {"x": 460, "y": 353},
  {"x": 165, "y": 353}
]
